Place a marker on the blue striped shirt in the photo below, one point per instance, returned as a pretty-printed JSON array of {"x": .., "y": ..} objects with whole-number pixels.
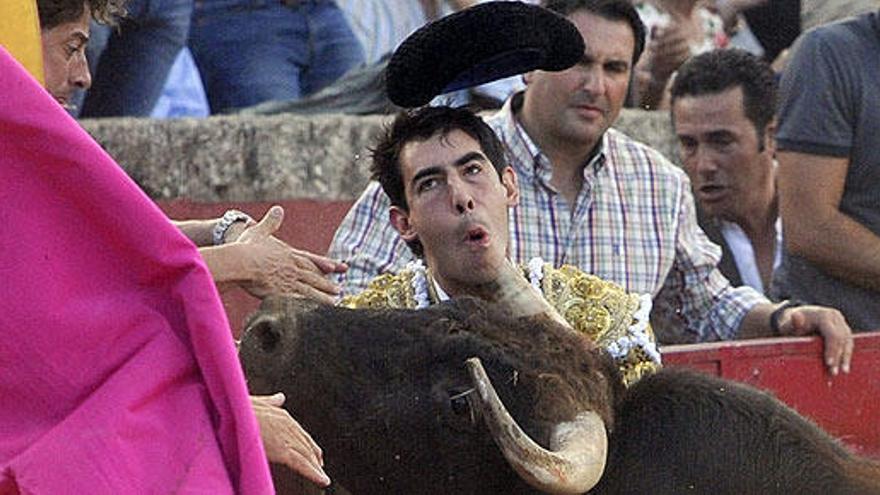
[{"x": 633, "y": 223}]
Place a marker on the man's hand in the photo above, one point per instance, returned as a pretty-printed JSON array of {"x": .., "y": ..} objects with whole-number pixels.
[
  {"x": 285, "y": 440},
  {"x": 277, "y": 268},
  {"x": 827, "y": 322},
  {"x": 667, "y": 50}
]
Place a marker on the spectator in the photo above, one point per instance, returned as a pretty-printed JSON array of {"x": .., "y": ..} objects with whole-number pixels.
[
  {"x": 249, "y": 52},
  {"x": 133, "y": 60},
  {"x": 594, "y": 198},
  {"x": 64, "y": 36},
  {"x": 829, "y": 168},
  {"x": 676, "y": 30},
  {"x": 776, "y": 24},
  {"x": 723, "y": 105},
  {"x": 381, "y": 25},
  {"x": 818, "y": 12}
]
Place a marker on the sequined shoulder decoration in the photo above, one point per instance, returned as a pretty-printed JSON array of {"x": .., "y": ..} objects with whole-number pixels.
[
  {"x": 613, "y": 318},
  {"x": 405, "y": 290}
]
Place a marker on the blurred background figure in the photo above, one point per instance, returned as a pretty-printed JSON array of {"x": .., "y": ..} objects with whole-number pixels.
[
  {"x": 131, "y": 63},
  {"x": 381, "y": 25},
  {"x": 251, "y": 51},
  {"x": 829, "y": 168},
  {"x": 723, "y": 105},
  {"x": 677, "y": 30},
  {"x": 817, "y": 12},
  {"x": 773, "y": 24}
]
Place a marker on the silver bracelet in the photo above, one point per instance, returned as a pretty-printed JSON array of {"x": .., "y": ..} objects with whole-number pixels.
[{"x": 225, "y": 222}]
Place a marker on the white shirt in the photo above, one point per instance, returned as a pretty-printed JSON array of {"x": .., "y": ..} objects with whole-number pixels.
[{"x": 744, "y": 254}]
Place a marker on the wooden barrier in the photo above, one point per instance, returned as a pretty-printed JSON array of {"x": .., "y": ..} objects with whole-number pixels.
[{"x": 847, "y": 406}]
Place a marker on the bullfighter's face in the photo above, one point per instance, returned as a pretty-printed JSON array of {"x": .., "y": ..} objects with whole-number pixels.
[
  {"x": 64, "y": 57},
  {"x": 731, "y": 169},
  {"x": 457, "y": 209}
]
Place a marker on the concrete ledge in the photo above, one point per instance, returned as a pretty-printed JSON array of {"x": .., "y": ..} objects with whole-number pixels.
[{"x": 273, "y": 158}]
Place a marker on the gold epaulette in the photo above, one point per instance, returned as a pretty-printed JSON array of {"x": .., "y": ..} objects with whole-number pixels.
[
  {"x": 607, "y": 314},
  {"x": 385, "y": 291}
]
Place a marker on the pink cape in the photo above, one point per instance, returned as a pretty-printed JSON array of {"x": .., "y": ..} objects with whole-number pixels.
[{"x": 117, "y": 369}]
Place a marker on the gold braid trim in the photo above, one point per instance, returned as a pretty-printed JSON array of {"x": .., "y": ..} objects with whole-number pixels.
[
  {"x": 385, "y": 291},
  {"x": 602, "y": 310}
]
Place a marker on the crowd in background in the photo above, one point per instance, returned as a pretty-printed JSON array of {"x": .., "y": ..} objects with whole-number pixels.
[{"x": 177, "y": 58}]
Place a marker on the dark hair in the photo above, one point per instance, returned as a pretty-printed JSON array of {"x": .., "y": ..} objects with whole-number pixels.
[
  {"x": 612, "y": 10},
  {"x": 53, "y": 13},
  {"x": 421, "y": 124},
  {"x": 720, "y": 70}
]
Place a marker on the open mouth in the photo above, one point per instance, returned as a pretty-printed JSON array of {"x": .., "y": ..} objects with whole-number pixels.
[{"x": 476, "y": 236}]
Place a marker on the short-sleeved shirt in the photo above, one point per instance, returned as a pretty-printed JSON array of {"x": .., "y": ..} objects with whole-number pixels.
[
  {"x": 633, "y": 224},
  {"x": 830, "y": 106}
]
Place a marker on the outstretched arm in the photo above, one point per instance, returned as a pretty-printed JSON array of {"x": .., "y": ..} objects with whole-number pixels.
[{"x": 263, "y": 265}]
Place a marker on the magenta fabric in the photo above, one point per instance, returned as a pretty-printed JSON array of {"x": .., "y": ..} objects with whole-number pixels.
[{"x": 118, "y": 372}]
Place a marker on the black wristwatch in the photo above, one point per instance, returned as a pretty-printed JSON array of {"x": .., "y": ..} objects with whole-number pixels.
[{"x": 776, "y": 315}]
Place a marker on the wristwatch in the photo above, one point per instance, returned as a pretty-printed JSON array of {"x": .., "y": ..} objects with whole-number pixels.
[
  {"x": 226, "y": 221},
  {"x": 776, "y": 315}
]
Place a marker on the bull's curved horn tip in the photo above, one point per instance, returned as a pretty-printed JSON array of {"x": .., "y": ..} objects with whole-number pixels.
[{"x": 579, "y": 447}]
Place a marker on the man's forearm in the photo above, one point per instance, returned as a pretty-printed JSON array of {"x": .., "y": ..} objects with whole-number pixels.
[
  {"x": 756, "y": 323},
  {"x": 198, "y": 231},
  {"x": 842, "y": 247},
  {"x": 810, "y": 192}
]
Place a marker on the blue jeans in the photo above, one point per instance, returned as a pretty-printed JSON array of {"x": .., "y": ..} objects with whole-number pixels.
[
  {"x": 251, "y": 51},
  {"x": 135, "y": 62}
]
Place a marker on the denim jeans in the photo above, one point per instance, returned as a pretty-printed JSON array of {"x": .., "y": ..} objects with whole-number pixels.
[
  {"x": 132, "y": 67},
  {"x": 251, "y": 51}
]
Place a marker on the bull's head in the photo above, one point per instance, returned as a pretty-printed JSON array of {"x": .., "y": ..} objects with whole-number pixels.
[{"x": 342, "y": 368}]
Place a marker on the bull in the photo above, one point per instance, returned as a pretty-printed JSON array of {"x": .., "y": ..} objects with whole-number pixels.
[{"x": 462, "y": 398}]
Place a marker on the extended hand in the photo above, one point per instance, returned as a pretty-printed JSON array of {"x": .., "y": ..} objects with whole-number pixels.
[
  {"x": 667, "y": 50},
  {"x": 827, "y": 322},
  {"x": 278, "y": 268},
  {"x": 285, "y": 441}
]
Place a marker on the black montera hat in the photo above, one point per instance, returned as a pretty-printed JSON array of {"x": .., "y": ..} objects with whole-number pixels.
[{"x": 477, "y": 45}]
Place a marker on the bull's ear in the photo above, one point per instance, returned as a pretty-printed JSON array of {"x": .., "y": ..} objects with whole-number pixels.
[{"x": 267, "y": 332}]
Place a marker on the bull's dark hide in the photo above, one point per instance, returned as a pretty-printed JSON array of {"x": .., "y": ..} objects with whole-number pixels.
[
  {"x": 377, "y": 389},
  {"x": 680, "y": 431}
]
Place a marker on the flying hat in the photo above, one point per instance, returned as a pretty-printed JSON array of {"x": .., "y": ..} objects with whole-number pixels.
[{"x": 477, "y": 45}]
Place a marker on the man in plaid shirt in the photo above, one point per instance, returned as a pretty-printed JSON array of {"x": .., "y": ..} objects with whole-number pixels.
[{"x": 592, "y": 197}]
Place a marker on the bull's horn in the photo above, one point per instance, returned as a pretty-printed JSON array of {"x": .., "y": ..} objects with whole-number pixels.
[{"x": 577, "y": 458}]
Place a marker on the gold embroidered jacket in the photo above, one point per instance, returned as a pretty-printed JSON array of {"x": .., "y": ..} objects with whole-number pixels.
[{"x": 613, "y": 318}]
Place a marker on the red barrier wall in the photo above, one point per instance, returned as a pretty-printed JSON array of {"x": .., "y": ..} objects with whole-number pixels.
[{"x": 846, "y": 406}]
